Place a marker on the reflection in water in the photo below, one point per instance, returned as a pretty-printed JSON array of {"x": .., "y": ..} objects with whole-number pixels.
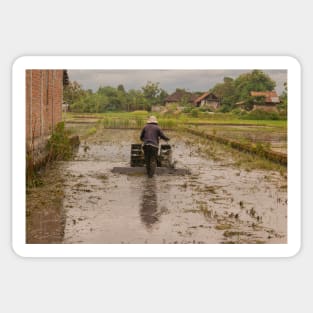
[{"x": 149, "y": 203}]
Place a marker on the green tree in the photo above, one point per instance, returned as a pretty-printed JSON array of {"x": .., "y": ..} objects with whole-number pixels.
[
  {"x": 284, "y": 97},
  {"x": 185, "y": 99},
  {"x": 120, "y": 88},
  {"x": 226, "y": 91},
  {"x": 254, "y": 81},
  {"x": 113, "y": 96},
  {"x": 162, "y": 96},
  {"x": 73, "y": 92},
  {"x": 122, "y": 98},
  {"x": 135, "y": 100},
  {"x": 232, "y": 90},
  {"x": 151, "y": 92}
]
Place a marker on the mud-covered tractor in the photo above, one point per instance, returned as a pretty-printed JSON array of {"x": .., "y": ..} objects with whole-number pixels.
[
  {"x": 164, "y": 166},
  {"x": 164, "y": 156}
]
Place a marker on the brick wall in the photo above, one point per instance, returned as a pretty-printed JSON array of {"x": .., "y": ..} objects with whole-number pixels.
[{"x": 44, "y": 97}]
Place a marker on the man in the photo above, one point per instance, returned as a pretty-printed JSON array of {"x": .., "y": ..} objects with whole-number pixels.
[{"x": 150, "y": 136}]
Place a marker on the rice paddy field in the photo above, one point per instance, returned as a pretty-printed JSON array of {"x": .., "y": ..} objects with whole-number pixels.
[
  {"x": 229, "y": 196},
  {"x": 271, "y": 134}
]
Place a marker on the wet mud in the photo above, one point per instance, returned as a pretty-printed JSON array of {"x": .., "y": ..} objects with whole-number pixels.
[
  {"x": 45, "y": 218},
  {"x": 217, "y": 202}
]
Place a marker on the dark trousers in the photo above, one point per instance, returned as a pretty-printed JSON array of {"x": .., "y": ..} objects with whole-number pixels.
[{"x": 151, "y": 155}]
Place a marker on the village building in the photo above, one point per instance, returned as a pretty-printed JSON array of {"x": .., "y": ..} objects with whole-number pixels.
[
  {"x": 269, "y": 100},
  {"x": 44, "y": 99},
  {"x": 263, "y": 100},
  {"x": 180, "y": 97},
  {"x": 208, "y": 100}
]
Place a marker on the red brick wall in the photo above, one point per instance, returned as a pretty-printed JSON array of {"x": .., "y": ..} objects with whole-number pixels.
[{"x": 44, "y": 97}]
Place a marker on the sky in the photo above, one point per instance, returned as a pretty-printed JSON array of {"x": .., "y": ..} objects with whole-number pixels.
[{"x": 191, "y": 80}]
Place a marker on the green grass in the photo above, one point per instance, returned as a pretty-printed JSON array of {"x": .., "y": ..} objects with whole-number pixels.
[
  {"x": 171, "y": 120},
  {"x": 91, "y": 131}
]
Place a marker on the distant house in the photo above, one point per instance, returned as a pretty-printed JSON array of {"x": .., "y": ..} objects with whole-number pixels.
[
  {"x": 263, "y": 100},
  {"x": 267, "y": 100},
  {"x": 180, "y": 96},
  {"x": 208, "y": 100},
  {"x": 270, "y": 97}
]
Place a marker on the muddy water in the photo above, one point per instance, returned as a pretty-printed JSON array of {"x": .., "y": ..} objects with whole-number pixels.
[{"x": 216, "y": 203}]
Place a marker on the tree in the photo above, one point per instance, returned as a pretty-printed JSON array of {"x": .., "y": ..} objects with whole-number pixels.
[
  {"x": 120, "y": 88},
  {"x": 115, "y": 97},
  {"x": 185, "y": 99},
  {"x": 226, "y": 91},
  {"x": 254, "y": 81},
  {"x": 151, "y": 92},
  {"x": 162, "y": 96},
  {"x": 232, "y": 90},
  {"x": 284, "y": 97},
  {"x": 134, "y": 99},
  {"x": 121, "y": 96},
  {"x": 73, "y": 92}
]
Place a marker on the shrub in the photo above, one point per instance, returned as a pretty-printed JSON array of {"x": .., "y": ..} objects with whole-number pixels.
[
  {"x": 194, "y": 112},
  {"x": 224, "y": 108},
  {"x": 240, "y": 113},
  {"x": 187, "y": 109},
  {"x": 91, "y": 131},
  {"x": 262, "y": 115},
  {"x": 59, "y": 145}
]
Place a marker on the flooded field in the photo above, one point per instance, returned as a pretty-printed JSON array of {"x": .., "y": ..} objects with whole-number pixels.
[
  {"x": 274, "y": 137},
  {"x": 217, "y": 202}
]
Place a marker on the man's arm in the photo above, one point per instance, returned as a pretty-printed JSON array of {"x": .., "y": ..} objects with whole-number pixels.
[{"x": 161, "y": 135}]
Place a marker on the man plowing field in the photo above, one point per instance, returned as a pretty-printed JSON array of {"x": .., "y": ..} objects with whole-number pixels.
[{"x": 150, "y": 136}]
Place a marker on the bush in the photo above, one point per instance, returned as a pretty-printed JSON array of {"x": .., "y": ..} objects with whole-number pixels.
[
  {"x": 261, "y": 115},
  {"x": 59, "y": 145},
  {"x": 187, "y": 109},
  {"x": 91, "y": 131},
  {"x": 205, "y": 109},
  {"x": 240, "y": 113},
  {"x": 224, "y": 108},
  {"x": 195, "y": 112}
]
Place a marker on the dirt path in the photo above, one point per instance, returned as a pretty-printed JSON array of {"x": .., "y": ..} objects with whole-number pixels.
[
  {"x": 216, "y": 203},
  {"x": 45, "y": 217}
]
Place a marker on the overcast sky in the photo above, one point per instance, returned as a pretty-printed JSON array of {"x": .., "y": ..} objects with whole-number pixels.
[{"x": 192, "y": 80}]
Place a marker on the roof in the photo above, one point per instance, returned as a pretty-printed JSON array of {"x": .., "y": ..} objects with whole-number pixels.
[
  {"x": 178, "y": 95},
  {"x": 206, "y": 94},
  {"x": 270, "y": 96}
]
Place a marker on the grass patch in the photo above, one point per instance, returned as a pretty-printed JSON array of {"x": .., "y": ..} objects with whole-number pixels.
[
  {"x": 229, "y": 233},
  {"x": 60, "y": 146},
  {"x": 222, "y": 226},
  {"x": 91, "y": 131}
]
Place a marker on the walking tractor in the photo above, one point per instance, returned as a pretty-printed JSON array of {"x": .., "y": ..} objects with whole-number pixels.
[
  {"x": 164, "y": 158},
  {"x": 165, "y": 164}
]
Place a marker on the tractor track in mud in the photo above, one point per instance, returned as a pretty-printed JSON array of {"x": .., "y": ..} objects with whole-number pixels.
[{"x": 218, "y": 202}]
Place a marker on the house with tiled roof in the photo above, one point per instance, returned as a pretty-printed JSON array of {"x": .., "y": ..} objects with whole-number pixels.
[
  {"x": 270, "y": 97},
  {"x": 180, "y": 96},
  {"x": 208, "y": 100},
  {"x": 262, "y": 100},
  {"x": 265, "y": 100}
]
